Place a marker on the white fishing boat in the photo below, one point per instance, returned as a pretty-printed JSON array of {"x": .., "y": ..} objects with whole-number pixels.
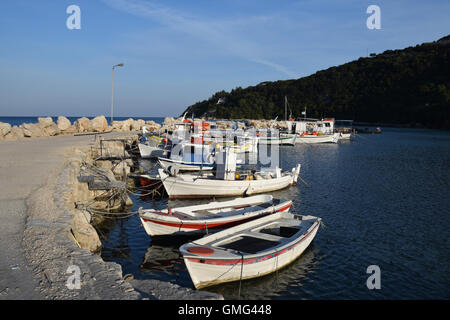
[
  {"x": 152, "y": 146},
  {"x": 210, "y": 217},
  {"x": 313, "y": 130},
  {"x": 186, "y": 156},
  {"x": 183, "y": 165},
  {"x": 148, "y": 151},
  {"x": 240, "y": 145},
  {"x": 345, "y": 129},
  {"x": 318, "y": 138},
  {"x": 249, "y": 250},
  {"x": 345, "y": 136},
  {"x": 197, "y": 186},
  {"x": 278, "y": 139}
]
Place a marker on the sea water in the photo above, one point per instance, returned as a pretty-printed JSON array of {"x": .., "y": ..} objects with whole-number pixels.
[{"x": 384, "y": 200}]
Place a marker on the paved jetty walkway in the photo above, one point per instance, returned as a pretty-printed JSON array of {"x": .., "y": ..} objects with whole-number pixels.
[
  {"x": 33, "y": 173},
  {"x": 25, "y": 165}
]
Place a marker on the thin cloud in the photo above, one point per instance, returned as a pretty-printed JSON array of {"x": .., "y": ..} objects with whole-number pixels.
[{"x": 218, "y": 33}]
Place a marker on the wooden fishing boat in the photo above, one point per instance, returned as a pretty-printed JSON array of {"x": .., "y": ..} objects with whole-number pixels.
[
  {"x": 197, "y": 186},
  {"x": 249, "y": 250},
  {"x": 148, "y": 151},
  {"x": 317, "y": 138},
  {"x": 210, "y": 217},
  {"x": 186, "y": 165},
  {"x": 281, "y": 139},
  {"x": 345, "y": 136},
  {"x": 152, "y": 146}
]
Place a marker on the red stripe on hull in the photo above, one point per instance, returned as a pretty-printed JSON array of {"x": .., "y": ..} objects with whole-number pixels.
[
  {"x": 251, "y": 260},
  {"x": 201, "y": 226}
]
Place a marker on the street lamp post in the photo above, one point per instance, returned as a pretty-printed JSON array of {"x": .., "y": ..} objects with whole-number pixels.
[{"x": 112, "y": 91}]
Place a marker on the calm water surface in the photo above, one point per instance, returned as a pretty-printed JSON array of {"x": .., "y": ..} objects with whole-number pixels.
[{"x": 384, "y": 200}]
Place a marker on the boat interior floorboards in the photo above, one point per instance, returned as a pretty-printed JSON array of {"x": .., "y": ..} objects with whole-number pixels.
[{"x": 250, "y": 244}]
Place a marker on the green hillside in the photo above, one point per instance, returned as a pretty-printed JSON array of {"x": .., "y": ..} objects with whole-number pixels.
[{"x": 405, "y": 86}]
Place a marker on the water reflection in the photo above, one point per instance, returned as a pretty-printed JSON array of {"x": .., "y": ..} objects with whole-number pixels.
[
  {"x": 273, "y": 285},
  {"x": 163, "y": 259}
]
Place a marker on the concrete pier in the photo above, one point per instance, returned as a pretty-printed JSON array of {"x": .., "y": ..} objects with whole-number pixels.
[
  {"x": 26, "y": 170},
  {"x": 36, "y": 249}
]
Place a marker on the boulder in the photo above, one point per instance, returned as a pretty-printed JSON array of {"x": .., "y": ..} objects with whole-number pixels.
[
  {"x": 112, "y": 149},
  {"x": 281, "y": 124},
  {"x": 63, "y": 123},
  {"x": 120, "y": 168},
  {"x": 51, "y": 130},
  {"x": 168, "y": 121},
  {"x": 105, "y": 164},
  {"x": 117, "y": 125},
  {"x": 85, "y": 233},
  {"x": 138, "y": 124},
  {"x": 5, "y": 128},
  {"x": 72, "y": 129},
  {"x": 83, "y": 125},
  {"x": 127, "y": 124},
  {"x": 16, "y": 133},
  {"x": 45, "y": 122},
  {"x": 152, "y": 125},
  {"x": 32, "y": 130},
  {"x": 99, "y": 124}
]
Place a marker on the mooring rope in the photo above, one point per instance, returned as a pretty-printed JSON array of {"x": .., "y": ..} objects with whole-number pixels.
[
  {"x": 304, "y": 181},
  {"x": 240, "y": 278},
  {"x": 112, "y": 215}
]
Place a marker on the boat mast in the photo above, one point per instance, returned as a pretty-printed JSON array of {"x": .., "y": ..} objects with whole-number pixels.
[
  {"x": 285, "y": 108},
  {"x": 201, "y": 158}
]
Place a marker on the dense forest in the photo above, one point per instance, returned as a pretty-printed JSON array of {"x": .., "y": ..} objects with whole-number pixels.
[{"x": 408, "y": 86}]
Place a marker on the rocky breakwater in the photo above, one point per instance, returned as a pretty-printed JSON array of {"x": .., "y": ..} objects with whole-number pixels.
[
  {"x": 223, "y": 124},
  {"x": 46, "y": 127}
]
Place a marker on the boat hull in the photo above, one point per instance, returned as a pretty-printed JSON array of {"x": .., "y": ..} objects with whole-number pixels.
[
  {"x": 185, "y": 166},
  {"x": 159, "y": 224},
  {"x": 288, "y": 140},
  {"x": 205, "y": 273},
  {"x": 345, "y": 136},
  {"x": 311, "y": 139},
  {"x": 192, "y": 187},
  {"x": 147, "y": 151}
]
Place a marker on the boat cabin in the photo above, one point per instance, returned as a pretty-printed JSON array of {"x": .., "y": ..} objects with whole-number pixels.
[{"x": 324, "y": 126}]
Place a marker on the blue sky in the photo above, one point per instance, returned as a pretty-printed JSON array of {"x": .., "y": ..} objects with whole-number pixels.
[{"x": 179, "y": 52}]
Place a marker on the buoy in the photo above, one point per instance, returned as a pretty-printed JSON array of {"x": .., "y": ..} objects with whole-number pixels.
[{"x": 201, "y": 250}]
